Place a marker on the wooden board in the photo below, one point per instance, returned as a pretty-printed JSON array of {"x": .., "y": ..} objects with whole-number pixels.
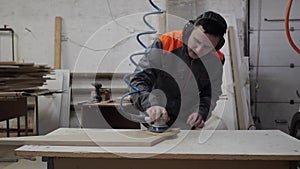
[
  {"x": 57, "y": 43},
  {"x": 237, "y": 82},
  {"x": 91, "y": 137},
  {"x": 196, "y": 144},
  {"x": 16, "y": 76}
]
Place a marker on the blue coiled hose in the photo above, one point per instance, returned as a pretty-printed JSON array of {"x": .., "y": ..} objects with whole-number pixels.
[{"x": 130, "y": 116}]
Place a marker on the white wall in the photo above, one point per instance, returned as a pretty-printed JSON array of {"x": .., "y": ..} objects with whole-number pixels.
[
  {"x": 97, "y": 24},
  {"x": 88, "y": 22},
  {"x": 189, "y": 9}
]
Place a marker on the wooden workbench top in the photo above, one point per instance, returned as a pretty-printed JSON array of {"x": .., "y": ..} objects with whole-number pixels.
[{"x": 197, "y": 144}]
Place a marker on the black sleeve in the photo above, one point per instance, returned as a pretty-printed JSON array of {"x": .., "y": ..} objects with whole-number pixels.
[{"x": 145, "y": 80}]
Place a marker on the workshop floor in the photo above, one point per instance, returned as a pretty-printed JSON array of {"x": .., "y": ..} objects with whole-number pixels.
[{"x": 8, "y": 159}]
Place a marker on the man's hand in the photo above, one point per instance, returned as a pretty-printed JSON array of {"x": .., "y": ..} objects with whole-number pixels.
[
  {"x": 157, "y": 112},
  {"x": 195, "y": 120}
]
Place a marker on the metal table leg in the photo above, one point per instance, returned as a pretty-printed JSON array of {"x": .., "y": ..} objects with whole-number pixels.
[
  {"x": 18, "y": 126},
  {"x": 7, "y": 128},
  {"x": 37, "y": 115},
  {"x": 49, "y": 161},
  {"x": 26, "y": 123}
]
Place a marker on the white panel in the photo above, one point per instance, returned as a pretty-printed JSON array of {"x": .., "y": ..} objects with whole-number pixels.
[
  {"x": 66, "y": 99},
  {"x": 54, "y": 110},
  {"x": 270, "y": 113},
  {"x": 49, "y": 106},
  {"x": 272, "y": 9},
  {"x": 277, "y": 82},
  {"x": 274, "y": 48}
]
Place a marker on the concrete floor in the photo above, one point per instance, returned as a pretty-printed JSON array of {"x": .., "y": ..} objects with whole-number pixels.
[{"x": 8, "y": 160}]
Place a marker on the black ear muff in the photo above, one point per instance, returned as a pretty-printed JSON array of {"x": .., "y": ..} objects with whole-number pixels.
[
  {"x": 187, "y": 30},
  {"x": 220, "y": 44}
]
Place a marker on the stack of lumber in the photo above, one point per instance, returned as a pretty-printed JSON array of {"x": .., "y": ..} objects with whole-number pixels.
[{"x": 22, "y": 76}]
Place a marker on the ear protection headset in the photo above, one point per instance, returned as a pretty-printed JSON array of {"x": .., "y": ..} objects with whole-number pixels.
[{"x": 189, "y": 27}]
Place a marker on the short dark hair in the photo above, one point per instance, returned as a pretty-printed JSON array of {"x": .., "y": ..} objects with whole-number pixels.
[{"x": 212, "y": 22}]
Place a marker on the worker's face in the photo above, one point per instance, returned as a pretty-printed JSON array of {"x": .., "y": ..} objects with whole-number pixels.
[{"x": 200, "y": 43}]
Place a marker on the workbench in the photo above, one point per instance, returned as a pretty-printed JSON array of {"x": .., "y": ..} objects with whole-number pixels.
[
  {"x": 213, "y": 149},
  {"x": 14, "y": 107}
]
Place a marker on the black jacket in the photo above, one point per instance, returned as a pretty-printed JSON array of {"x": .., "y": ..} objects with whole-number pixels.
[{"x": 170, "y": 78}]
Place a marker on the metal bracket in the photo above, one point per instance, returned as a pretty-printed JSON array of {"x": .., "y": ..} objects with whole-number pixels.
[
  {"x": 12, "y": 40},
  {"x": 279, "y": 20},
  {"x": 49, "y": 161}
]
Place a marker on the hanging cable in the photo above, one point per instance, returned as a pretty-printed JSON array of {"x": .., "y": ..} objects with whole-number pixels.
[
  {"x": 287, "y": 27},
  {"x": 133, "y": 117}
]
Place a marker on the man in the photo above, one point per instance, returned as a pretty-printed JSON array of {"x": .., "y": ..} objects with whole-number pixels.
[{"x": 182, "y": 73}]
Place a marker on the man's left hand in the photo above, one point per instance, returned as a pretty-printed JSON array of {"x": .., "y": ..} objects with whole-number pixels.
[{"x": 195, "y": 120}]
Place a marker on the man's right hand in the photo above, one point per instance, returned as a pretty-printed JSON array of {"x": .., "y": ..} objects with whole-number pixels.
[{"x": 157, "y": 112}]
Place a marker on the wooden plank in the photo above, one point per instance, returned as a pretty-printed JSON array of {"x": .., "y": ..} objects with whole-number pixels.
[
  {"x": 236, "y": 80},
  {"x": 200, "y": 145},
  {"x": 92, "y": 137},
  {"x": 16, "y": 63},
  {"x": 16, "y": 76},
  {"x": 57, "y": 43}
]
